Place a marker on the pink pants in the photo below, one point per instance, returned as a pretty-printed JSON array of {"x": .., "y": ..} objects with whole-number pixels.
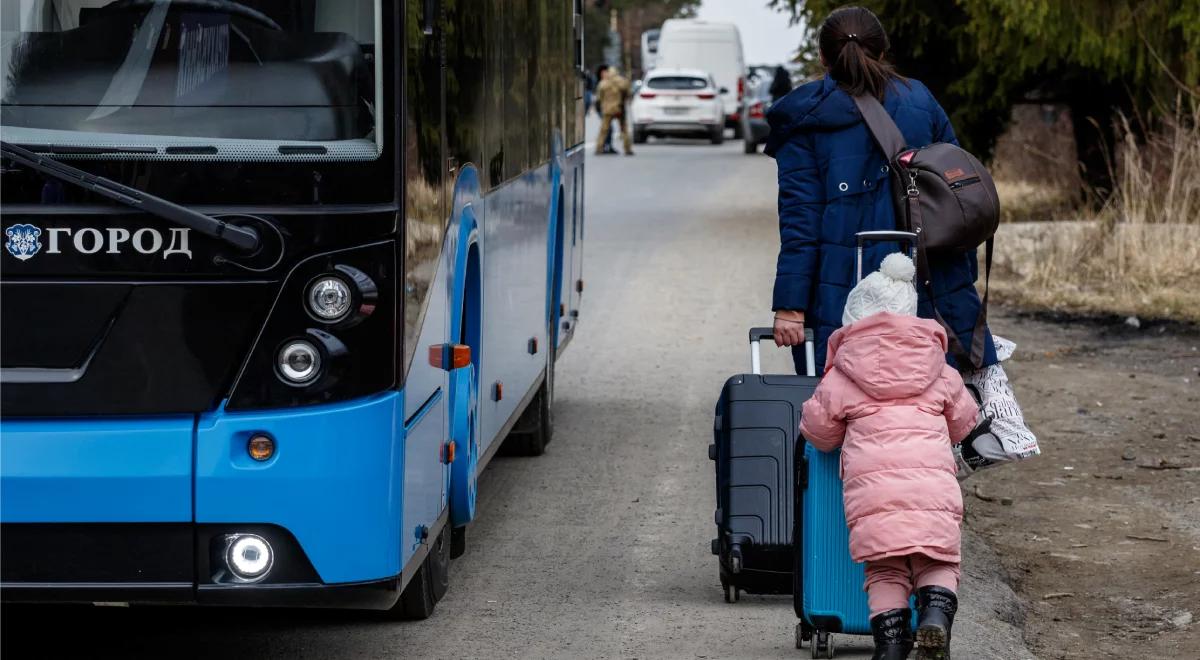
[{"x": 892, "y": 580}]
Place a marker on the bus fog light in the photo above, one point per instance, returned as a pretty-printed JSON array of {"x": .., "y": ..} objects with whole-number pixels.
[
  {"x": 299, "y": 362},
  {"x": 249, "y": 557},
  {"x": 261, "y": 447},
  {"x": 329, "y": 298}
]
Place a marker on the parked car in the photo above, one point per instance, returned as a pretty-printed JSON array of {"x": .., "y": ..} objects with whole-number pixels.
[
  {"x": 678, "y": 102},
  {"x": 712, "y": 47},
  {"x": 757, "y": 102}
]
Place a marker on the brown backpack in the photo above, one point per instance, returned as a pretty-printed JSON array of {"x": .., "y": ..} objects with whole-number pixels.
[{"x": 948, "y": 199}]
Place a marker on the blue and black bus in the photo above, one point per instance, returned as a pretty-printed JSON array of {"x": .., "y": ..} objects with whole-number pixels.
[{"x": 280, "y": 277}]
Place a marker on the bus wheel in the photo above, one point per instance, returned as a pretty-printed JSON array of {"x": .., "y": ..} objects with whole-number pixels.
[
  {"x": 535, "y": 427},
  {"x": 430, "y": 583}
]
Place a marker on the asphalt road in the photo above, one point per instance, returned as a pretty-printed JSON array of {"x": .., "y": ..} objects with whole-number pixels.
[{"x": 600, "y": 548}]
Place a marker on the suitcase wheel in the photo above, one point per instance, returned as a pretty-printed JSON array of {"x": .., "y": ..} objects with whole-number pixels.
[
  {"x": 822, "y": 645},
  {"x": 803, "y": 634},
  {"x": 735, "y": 559}
]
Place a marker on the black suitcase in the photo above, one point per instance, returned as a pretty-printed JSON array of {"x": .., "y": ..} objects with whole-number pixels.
[{"x": 756, "y": 426}]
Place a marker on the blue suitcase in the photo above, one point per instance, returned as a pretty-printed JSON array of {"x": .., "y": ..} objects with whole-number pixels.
[{"x": 827, "y": 585}]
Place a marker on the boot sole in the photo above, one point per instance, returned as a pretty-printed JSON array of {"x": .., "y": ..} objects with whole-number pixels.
[{"x": 931, "y": 643}]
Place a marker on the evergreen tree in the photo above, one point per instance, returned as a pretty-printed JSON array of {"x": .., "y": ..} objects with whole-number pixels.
[{"x": 982, "y": 56}]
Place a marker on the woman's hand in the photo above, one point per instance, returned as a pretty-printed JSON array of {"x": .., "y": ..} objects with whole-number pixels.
[{"x": 789, "y": 328}]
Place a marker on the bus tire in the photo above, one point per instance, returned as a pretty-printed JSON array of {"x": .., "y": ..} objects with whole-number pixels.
[
  {"x": 535, "y": 427},
  {"x": 458, "y": 542},
  {"x": 430, "y": 583}
]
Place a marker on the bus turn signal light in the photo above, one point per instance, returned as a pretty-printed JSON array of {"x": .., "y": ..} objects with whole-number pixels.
[
  {"x": 449, "y": 356},
  {"x": 460, "y": 355},
  {"x": 448, "y": 451},
  {"x": 260, "y": 447}
]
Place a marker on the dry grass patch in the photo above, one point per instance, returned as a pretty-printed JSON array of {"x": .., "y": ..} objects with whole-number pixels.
[{"x": 1142, "y": 256}]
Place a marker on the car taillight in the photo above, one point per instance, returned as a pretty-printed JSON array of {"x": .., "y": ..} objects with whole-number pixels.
[
  {"x": 741, "y": 88},
  {"x": 707, "y": 97},
  {"x": 647, "y": 95},
  {"x": 756, "y": 111}
]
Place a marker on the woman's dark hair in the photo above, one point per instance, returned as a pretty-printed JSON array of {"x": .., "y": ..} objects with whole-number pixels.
[{"x": 853, "y": 43}]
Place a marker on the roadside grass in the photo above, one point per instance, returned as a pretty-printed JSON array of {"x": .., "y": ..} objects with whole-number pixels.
[
  {"x": 1140, "y": 255},
  {"x": 1027, "y": 201}
]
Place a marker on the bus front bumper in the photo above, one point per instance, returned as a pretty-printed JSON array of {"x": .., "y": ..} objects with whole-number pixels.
[
  {"x": 145, "y": 510},
  {"x": 158, "y": 562}
]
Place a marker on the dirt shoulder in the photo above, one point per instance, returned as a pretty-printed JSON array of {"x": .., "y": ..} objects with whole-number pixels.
[{"x": 1102, "y": 533}]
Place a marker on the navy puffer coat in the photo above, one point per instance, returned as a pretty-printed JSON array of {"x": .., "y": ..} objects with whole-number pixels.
[{"x": 833, "y": 183}]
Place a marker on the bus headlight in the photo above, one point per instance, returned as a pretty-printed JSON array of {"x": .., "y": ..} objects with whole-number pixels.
[
  {"x": 298, "y": 362},
  {"x": 249, "y": 557},
  {"x": 330, "y": 298}
]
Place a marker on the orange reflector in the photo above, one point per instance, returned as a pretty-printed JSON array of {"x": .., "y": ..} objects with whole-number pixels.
[
  {"x": 498, "y": 391},
  {"x": 448, "y": 450},
  {"x": 449, "y": 356},
  {"x": 261, "y": 447},
  {"x": 460, "y": 355}
]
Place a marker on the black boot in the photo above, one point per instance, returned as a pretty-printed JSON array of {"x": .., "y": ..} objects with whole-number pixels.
[
  {"x": 893, "y": 634},
  {"x": 936, "y": 606}
]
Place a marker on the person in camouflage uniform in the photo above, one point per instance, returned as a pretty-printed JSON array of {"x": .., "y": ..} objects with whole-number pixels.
[{"x": 612, "y": 94}]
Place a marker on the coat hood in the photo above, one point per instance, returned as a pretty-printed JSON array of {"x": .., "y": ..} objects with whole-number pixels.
[
  {"x": 889, "y": 356},
  {"x": 819, "y": 105}
]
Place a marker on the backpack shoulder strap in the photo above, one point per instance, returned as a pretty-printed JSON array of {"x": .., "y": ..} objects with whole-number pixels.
[{"x": 887, "y": 135}]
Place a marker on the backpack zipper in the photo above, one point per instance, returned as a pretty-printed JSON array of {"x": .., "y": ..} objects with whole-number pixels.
[{"x": 965, "y": 182}]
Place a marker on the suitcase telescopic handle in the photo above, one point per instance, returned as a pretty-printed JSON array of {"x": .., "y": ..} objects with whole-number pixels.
[
  {"x": 883, "y": 236},
  {"x": 759, "y": 334}
]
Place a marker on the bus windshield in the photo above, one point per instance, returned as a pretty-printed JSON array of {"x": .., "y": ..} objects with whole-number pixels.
[{"x": 251, "y": 80}]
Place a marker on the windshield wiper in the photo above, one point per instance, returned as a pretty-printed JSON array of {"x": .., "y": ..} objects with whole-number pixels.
[{"x": 244, "y": 238}]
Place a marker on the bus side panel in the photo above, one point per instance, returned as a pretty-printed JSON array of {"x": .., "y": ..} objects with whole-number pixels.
[
  {"x": 333, "y": 481},
  {"x": 572, "y": 244},
  {"x": 515, "y": 234}
]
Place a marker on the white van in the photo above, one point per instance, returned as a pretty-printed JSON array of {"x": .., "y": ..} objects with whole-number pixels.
[
  {"x": 712, "y": 47},
  {"x": 649, "y": 50}
]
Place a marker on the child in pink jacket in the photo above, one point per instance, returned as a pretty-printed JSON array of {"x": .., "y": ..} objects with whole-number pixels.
[{"x": 890, "y": 401}]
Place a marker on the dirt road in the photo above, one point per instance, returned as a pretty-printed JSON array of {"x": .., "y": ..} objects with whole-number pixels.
[{"x": 1102, "y": 535}]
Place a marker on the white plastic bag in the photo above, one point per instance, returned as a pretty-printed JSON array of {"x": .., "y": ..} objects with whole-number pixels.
[{"x": 1001, "y": 435}]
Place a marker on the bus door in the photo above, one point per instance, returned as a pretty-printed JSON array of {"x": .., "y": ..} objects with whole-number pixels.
[{"x": 426, "y": 311}]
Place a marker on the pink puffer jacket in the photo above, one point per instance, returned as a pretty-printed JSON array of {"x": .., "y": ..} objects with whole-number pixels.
[{"x": 894, "y": 406}]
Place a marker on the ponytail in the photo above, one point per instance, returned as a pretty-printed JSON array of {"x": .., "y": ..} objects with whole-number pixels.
[{"x": 853, "y": 43}]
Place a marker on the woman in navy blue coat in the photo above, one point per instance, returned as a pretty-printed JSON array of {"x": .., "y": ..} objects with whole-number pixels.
[{"x": 834, "y": 182}]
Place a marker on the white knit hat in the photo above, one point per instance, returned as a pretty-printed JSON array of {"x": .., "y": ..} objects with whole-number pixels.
[{"x": 890, "y": 289}]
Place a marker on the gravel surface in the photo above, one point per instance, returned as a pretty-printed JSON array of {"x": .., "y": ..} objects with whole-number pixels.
[{"x": 600, "y": 548}]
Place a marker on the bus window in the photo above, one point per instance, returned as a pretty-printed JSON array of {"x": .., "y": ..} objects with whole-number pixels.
[{"x": 252, "y": 80}]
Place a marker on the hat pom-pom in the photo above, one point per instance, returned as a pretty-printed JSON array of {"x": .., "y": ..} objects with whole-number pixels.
[{"x": 897, "y": 266}]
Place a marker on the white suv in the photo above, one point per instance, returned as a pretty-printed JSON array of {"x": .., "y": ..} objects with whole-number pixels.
[{"x": 678, "y": 102}]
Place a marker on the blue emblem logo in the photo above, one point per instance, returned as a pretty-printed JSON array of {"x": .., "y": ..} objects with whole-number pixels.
[{"x": 23, "y": 241}]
